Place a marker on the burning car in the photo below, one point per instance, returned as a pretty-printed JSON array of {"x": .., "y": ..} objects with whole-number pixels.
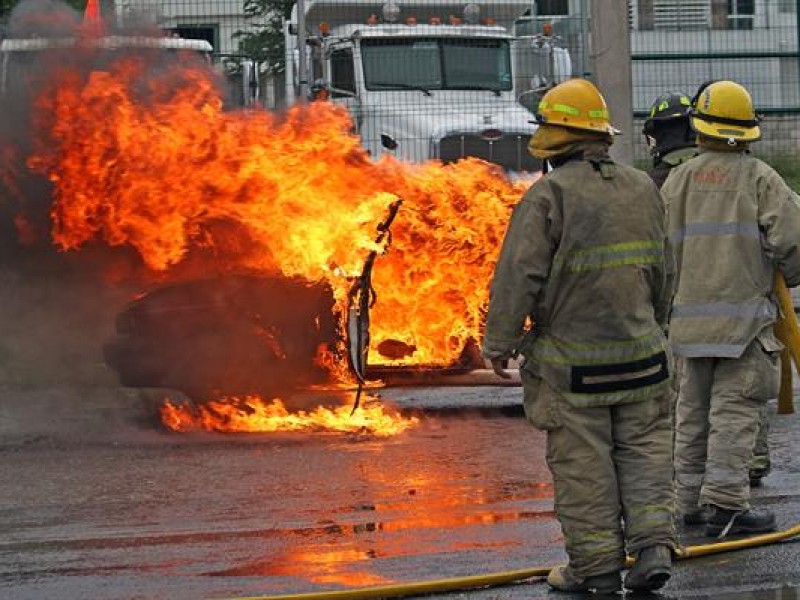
[{"x": 235, "y": 335}]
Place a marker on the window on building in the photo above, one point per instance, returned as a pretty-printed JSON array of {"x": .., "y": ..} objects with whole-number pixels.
[
  {"x": 552, "y": 7},
  {"x": 342, "y": 72},
  {"x": 741, "y": 14},
  {"x": 633, "y": 14},
  {"x": 681, "y": 14}
]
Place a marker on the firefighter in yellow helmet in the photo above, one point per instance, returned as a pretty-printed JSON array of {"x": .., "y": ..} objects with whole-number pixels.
[
  {"x": 585, "y": 262},
  {"x": 733, "y": 221},
  {"x": 672, "y": 141}
]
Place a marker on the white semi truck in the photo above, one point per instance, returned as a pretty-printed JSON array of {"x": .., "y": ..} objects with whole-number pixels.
[{"x": 423, "y": 80}]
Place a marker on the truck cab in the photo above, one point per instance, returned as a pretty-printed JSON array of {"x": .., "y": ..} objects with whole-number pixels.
[
  {"x": 425, "y": 81},
  {"x": 23, "y": 58}
]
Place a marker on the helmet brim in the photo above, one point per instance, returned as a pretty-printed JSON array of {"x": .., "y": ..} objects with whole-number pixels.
[
  {"x": 590, "y": 127},
  {"x": 723, "y": 131}
]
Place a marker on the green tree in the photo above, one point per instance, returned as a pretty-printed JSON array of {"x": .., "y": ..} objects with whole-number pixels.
[
  {"x": 265, "y": 43},
  {"x": 5, "y": 9}
]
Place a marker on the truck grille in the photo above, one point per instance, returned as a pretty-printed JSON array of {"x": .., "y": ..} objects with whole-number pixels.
[{"x": 509, "y": 151}]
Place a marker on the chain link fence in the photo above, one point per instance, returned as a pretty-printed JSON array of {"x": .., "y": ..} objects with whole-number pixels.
[
  {"x": 448, "y": 78},
  {"x": 677, "y": 45}
]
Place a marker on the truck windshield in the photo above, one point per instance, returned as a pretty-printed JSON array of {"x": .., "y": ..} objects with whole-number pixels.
[
  {"x": 24, "y": 68},
  {"x": 436, "y": 64}
]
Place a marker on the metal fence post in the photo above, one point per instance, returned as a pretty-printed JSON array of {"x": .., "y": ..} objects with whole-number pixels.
[{"x": 302, "y": 49}]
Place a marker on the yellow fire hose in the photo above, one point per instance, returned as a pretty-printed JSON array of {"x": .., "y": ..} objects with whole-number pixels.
[
  {"x": 786, "y": 329},
  {"x": 788, "y": 332},
  {"x": 403, "y": 590}
]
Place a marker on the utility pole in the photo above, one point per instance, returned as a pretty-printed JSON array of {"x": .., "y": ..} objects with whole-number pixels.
[
  {"x": 610, "y": 58},
  {"x": 302, "y": 51},
  {"x": 585, "y": 66}
]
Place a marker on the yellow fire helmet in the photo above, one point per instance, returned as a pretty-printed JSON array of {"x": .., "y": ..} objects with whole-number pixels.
[
  {"x": 576, "y": 104},
  {"x": 724, "y": 111}
]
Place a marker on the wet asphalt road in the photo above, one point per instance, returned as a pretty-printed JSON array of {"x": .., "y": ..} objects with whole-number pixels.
[{"x": 97, "y": 503}]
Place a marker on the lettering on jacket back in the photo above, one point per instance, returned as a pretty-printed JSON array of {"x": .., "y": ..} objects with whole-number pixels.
[{"x": 712, "y": 177}]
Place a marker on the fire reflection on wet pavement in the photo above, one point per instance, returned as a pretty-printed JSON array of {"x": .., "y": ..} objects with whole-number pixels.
[
  {"x": 459, "y": 493},
  {"x": 411, "y": 501},
  {"x": 151, "y": 514}
]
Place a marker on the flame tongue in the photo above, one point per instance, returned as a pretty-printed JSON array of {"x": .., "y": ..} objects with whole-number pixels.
[{"x": 253, "y": 414}]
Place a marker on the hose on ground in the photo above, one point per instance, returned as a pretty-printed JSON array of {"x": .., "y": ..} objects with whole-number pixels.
[{"x": 403, "y": 590}]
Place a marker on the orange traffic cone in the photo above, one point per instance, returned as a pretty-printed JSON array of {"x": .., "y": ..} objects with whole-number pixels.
[{"x": 91, "y": 14}]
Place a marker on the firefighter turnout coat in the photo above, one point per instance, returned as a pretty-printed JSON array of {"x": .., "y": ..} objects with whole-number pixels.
[
  {"x": 586, "y": 259},
  {"x": 732, "y": 222}
]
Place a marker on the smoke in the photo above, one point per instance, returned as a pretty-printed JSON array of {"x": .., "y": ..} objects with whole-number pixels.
[
  {"x": 67, "y": 47},
  {"x": 75, "y": 323},
  {"x": 60, "y": 308},
  {"x": 54, "y": 19},
  {"x": 44, "y": 19}
]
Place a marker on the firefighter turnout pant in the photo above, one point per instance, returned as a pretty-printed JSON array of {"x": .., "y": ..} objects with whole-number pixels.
[
  {"x": 719, "y": 410},
  {"x": 612, "y": 471}
]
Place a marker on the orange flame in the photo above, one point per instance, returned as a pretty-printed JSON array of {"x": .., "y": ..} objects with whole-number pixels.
[
  {"x": 252, "y": 414},
  {"x": 149, "y": 158},
  {"x": 161, "y": 176},
  {"x": 432, "y": 285}
]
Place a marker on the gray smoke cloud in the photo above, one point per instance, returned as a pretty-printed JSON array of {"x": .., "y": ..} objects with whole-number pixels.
[{"x": 60, "y": 311}]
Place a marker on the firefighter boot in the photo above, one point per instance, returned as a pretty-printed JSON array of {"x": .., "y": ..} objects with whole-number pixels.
[
  {"x": 562, "y": 578},
  {"x": 723, "y": 521},
  {"x": 652, "y": 569}
]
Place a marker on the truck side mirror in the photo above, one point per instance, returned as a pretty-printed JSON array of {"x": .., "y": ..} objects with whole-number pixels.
[
  {"x": 340, "y": 92},
  {"x": 388, "y": 142}
]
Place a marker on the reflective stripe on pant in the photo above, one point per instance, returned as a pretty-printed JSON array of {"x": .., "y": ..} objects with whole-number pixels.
[
  {"x": 718, "y": 412},
  {"x": 609, "y": 464}
]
